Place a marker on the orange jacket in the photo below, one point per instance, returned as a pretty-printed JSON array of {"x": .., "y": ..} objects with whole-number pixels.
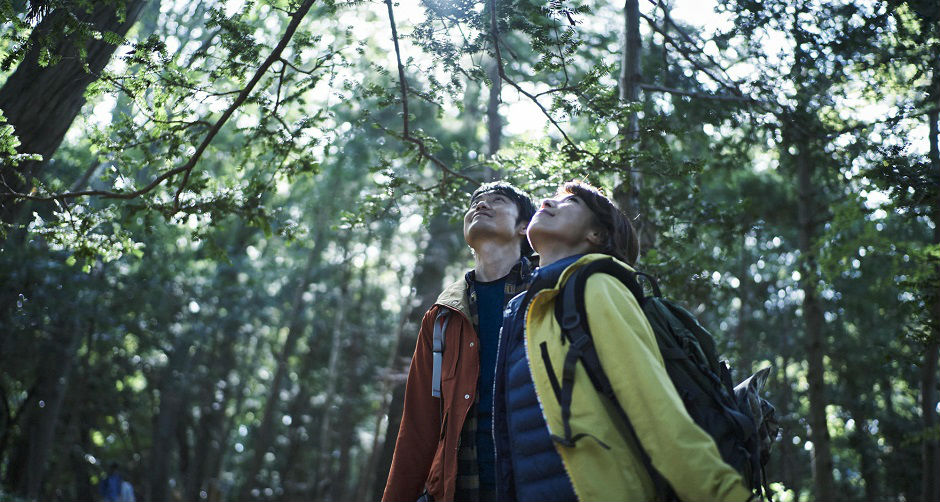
[{"x": 426, "y": 451}]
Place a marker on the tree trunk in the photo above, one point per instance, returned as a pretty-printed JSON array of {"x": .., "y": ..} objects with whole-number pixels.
[
  {"x": 209, "y": 440},
  {"x": 217, "y": 461},
  {"x": 861, "y": 440},
  {"x": 931, "y": 448},
  {"x": 41, "y": 102},
  {"x": 369, "y": 476},
  {"x": 296, "y": 475},
  {"x": 787, "y": 450},
  {"x": 324, "y": 481},
  {"x": 744, "y": 341},
  {"x": 627, "y": 192},
  {"x": 265, "y": 434},
  {"x": 172, "y": 402},
  {"x": 494, "y": 123},
  {"x": 813, "y": 320},
  {"x": 346, "y": 429},
  {"x": 630, "y": 63},
  {"x": 27, "y": 467}
]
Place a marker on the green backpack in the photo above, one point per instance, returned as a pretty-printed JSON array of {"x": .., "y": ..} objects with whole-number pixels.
[{"x": 741, "y": 422}]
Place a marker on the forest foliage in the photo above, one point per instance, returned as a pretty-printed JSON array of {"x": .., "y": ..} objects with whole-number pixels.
[{"x": 221, "y": 222}]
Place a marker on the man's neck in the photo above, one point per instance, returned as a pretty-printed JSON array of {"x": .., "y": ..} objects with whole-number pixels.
[{"x": 494, "y": 260}]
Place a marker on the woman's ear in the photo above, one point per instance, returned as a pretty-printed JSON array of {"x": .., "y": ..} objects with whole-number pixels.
[{"x": 596, "y": 238}]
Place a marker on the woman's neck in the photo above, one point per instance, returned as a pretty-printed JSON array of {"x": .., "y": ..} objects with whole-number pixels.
[{"x": 551, "y": 254}]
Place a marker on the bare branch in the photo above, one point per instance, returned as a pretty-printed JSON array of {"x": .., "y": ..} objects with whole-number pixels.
[
  {"x": 406, "y": 132},
  {"x": 668, "y": 19},
  {"x": 494, "y": 26},
  {"x": 680, "y": 92},
  {"x": 402, "y": 83},
  {"x": 688, "y": 57},
  {"x": 83, "y": 180}
]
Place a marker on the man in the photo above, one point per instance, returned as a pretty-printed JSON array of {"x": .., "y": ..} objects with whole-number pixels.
[
  {"x": 110, "y": 487},
  {"x": 428, "y": 461}
]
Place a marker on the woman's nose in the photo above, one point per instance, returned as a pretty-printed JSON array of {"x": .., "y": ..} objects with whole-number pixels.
[{"x": 548, "y": 203}]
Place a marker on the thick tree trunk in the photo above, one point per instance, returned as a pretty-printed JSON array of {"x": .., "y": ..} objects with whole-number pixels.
[
  {"x": 630, "y": 75},
  {"x": 346, "y": 429},
  {"x": 744, "y": 341},
  {"x": 217, "y": 461},
  {"x": 27, "y": 467},
  {"x": 439, "y": 250},
  {"x": 41, "y": 102},
  {"x": 813, "y": 322},
  {"x": 369, "y": 476},
  {"x": 928, "y": 390},
  {"x": 297, "y": 480},
  {"x": 860, "y": 439}
]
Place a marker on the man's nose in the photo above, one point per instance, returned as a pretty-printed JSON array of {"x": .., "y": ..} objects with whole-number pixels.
[{"x": 548, "y": 203}]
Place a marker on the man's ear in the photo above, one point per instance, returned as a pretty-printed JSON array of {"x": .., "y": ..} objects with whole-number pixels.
[{"x": 521, "y": 228}]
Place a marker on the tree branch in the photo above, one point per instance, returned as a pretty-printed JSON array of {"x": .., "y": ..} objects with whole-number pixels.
[
  {"x": 403, "y": 87},
  {"x": 275, "y": 55},
  {"x": 688, "y": 57},
  {"x": 494, "y": 26},
  {"x": 186, "y": 169},
  {"x": 680, "y": 92}
]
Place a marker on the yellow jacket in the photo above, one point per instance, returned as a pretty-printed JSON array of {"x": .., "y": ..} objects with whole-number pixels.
[{"x": 678, "y": 448}]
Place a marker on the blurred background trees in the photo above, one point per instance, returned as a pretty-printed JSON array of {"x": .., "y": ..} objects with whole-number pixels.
[{"x": 221, "y": 222}]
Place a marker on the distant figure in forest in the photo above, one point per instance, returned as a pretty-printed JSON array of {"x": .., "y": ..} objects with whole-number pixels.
[
  {"x": 449, "y": 394},
  {"x": 563, "y": 441},
  {"x": 114, "y": 488}
]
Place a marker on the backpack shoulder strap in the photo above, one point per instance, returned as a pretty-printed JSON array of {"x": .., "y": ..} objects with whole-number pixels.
[
  {"x": 572, "y": 317},
  {"x": 440, "y": 326}
]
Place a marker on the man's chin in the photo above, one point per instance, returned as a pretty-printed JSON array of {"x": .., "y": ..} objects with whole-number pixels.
[{"x": 477, "y": 232}]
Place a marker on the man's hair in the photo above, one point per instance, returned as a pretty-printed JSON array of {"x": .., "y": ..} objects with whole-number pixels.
[
  {"x": 619, "y": 239},
  {"x": 519, "y": 198}
]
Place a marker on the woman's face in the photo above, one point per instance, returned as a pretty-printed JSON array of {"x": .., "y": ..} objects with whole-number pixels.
[{"x": 563, "y": 222}]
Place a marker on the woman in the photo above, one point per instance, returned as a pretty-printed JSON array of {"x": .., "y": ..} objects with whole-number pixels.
[{"x": 575, "y": 227}]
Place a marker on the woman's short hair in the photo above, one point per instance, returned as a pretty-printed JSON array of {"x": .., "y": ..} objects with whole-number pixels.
[
  {"x": 619, "y": 239},
  {"x": 519, "y": 198}
]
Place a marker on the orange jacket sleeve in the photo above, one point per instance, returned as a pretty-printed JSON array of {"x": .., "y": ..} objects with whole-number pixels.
[{"x": 418, "y": 434}]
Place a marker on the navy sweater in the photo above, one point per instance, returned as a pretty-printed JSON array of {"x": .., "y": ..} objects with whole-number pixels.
[{"x": 490, "y": 298}]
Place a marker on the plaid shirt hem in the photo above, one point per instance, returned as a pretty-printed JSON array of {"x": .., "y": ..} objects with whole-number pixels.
[{"x": 468, "y": 472}]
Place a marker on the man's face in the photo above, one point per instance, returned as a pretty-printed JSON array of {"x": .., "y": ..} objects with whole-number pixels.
[{"x": 492, "y": 216}]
